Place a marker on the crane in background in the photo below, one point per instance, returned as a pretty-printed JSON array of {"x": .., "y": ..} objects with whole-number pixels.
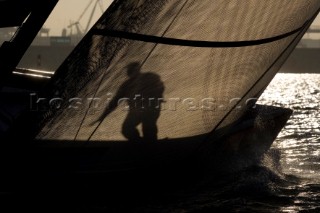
[{"x": 77, "y": 25}]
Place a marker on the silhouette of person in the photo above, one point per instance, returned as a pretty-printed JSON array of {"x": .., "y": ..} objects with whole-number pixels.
[{"x": 143, "y": 94}]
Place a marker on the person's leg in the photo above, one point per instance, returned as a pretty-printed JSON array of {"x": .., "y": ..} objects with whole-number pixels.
[
  {"x": 149, "y": 126},
  {"x": 129, "y": 127}
]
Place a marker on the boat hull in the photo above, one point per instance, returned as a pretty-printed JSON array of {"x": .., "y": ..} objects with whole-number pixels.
[{"x": 63, "y": 163}]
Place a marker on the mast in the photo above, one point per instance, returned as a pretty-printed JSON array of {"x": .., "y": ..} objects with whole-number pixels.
[{"x": 12, "y": 51}]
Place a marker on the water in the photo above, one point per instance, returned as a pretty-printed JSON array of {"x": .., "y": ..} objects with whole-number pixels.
[{"x": 299, "y": 142}]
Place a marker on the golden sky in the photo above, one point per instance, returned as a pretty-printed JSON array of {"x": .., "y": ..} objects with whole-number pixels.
[{"x": 69, "y": 11}]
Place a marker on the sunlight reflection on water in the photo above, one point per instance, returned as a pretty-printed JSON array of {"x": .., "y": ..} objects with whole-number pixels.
[{"x": 299, "y": 140}]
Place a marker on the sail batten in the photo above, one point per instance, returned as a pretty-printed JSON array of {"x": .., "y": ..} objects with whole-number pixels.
[{"x": 194, "y": 43}]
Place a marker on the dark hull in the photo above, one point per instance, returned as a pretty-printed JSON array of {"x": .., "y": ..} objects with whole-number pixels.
[{"x": 75, "y": 164}]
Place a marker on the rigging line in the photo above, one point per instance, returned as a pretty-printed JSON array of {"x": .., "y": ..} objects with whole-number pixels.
[
  {"x": 95, "y": 93},
  {"x": 57, "y": 73},
  {"x": 263, "y": 75},
  {"x": 193, "y": 43},
  {"x": 150, "y": 53},
  {"x": 165, "y": 32}
]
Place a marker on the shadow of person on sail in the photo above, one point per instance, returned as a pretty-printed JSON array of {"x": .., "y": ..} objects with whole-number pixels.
[{"x": 143, "y": 94}]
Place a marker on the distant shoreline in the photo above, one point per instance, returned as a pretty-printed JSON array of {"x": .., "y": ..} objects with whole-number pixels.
[{"x": 303, "y": 60}]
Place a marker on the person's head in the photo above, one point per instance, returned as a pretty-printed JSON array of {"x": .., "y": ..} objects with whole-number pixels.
[{"x": 133, "y": 69}]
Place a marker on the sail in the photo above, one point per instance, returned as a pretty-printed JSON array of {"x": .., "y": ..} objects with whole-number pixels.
[{"x": 170, "y": 69}]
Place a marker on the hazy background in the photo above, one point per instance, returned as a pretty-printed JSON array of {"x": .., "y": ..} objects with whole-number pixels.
[{"x": 69, "y": 11}]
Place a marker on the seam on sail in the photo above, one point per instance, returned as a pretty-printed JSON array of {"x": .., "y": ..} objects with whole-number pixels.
[{"x": 193, "y": 43}]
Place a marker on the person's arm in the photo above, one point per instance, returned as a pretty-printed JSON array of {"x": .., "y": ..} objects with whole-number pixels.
[
  {"x": 111, "y": 107},
  {"x": 113, "y": 104}
]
